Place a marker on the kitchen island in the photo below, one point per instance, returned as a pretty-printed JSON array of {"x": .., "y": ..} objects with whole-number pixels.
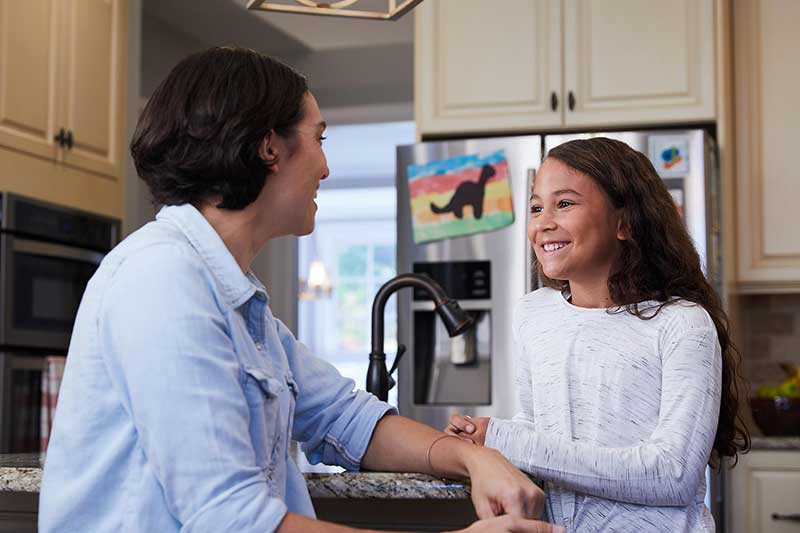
[{"x": 378, "y": 500}]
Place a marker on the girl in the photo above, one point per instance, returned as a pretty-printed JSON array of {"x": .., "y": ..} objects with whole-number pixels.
[{"x": 625, "y": 368}]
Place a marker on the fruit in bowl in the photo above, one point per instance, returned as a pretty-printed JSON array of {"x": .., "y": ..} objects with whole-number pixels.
[{"x": 776, "y": 409}]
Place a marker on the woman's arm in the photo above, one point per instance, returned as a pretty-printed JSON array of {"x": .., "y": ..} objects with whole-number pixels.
[
  {"x": 667, "y": 468},
  {"x": 352, "y": 429},
  {"x": 399, "y": 444}
]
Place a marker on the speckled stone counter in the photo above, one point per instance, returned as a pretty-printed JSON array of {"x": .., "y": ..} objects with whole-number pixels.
[
  {"x": 23, "y": 473},
  {"x": 20, "y": 472},
  {"x": 775, "y": 443}
]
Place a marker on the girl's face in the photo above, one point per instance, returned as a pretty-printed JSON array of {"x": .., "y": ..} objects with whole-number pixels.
[{"x": 573, "y": 229}]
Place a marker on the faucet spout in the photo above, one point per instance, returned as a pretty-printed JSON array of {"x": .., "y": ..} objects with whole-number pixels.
[{"x": 456, "y": 321}]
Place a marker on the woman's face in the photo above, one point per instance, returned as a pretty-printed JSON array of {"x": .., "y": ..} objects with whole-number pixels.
[
  {"x": 301, "y": 166},
  {"x": 573, "y": 226}
]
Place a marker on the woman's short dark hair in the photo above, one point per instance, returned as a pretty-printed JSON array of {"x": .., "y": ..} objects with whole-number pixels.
[{"x": 200, "y": 131}]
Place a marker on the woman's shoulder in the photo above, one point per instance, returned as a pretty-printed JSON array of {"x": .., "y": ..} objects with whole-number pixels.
[
  {"x": 152, "y": 260},
  {"x": 153, "y": 248}
]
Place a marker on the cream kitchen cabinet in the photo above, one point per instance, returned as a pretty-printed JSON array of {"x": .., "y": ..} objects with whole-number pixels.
[
  {"x": 767, "y": 126},
  {"x": 763, "y": 491},
  {"x": 62, "y": 96},
  {"x": 530, "y": 65}
]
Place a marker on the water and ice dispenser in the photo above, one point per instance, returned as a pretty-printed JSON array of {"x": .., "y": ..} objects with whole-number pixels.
[{"x": 453, "y": 370}]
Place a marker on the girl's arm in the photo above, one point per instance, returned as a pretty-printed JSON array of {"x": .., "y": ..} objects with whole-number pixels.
[{"x": 666, "y": 469}]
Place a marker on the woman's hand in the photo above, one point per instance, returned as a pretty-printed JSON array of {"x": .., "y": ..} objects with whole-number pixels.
[
  {"x": 498, "y": 487},
  {"x": 511, "y": 524},
  {"x": 468, "y": 428}
]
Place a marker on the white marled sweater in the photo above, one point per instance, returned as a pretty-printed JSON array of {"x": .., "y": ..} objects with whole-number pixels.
[{"x": 618, "y": 413}]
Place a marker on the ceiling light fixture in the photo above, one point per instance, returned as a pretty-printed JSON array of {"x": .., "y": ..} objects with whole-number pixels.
[{"x": 341, "y": 8}]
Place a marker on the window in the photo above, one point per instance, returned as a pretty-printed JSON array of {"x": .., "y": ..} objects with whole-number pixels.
[
  {"x": 355, "y": 238},
  {"x": 357, "y": 246}
]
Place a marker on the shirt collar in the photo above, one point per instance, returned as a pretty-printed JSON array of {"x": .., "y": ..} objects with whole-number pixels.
[{"x": 236, "y": 286}]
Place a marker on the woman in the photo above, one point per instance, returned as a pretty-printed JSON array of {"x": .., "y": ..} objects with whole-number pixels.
[{"x": 182, "y": 391}]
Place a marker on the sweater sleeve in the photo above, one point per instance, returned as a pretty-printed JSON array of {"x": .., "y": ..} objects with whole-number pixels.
[
  {"x": 522, "y": 379},
  {"x": 666, "y": 469}
]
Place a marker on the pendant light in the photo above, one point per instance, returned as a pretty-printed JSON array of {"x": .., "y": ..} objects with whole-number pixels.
[{"x": 341, "y": 8}]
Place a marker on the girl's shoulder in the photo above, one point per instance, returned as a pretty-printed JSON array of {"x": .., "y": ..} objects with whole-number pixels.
[
  {"x": 682, "y": 315},
  {"x": 543, "y": 300},
  {"x": 542, "y": 295}
]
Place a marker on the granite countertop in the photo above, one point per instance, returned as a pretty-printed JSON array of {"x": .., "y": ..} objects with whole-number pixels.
[
  {"x": 23, "y": 473},
  {"x": 775, "y": 443}
]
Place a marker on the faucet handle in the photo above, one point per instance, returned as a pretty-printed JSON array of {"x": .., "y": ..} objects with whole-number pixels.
[{"x": 401, "y": 349}]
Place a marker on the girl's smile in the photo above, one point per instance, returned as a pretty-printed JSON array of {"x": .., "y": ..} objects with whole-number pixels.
[{"x": 550, "y": 247}]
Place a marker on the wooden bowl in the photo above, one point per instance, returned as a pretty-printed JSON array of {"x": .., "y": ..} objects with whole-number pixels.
[{"x": 778, "y": 416}]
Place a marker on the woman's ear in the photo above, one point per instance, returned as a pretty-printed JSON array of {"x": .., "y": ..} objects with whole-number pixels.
[
  {"x": 266, "y": 150},
  {"x": 622, "y": 229}
]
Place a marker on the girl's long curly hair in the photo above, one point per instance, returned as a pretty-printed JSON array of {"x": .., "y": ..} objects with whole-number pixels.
[{"x": 657, "y": 261}]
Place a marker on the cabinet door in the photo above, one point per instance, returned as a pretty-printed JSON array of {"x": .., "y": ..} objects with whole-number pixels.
[
  {"x": 28, "y": 50},
  {"x": 776, "y": 502},
  {"x": 762, "y": 493},
  {"x": 767, "y": 111},
  {"x": 487, "y": 70},
  {"x": 94, "y": 84},
  {"x": 640, "y": 62}
]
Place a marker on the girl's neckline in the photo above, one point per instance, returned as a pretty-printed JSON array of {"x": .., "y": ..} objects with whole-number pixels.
[{"x": 565, "y": 297}]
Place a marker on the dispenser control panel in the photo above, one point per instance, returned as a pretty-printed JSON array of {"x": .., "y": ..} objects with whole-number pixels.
[{"x": 461, "y": 280}]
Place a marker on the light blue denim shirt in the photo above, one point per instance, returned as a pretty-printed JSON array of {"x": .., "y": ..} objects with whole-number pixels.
[{"x": 181, "y": 393}]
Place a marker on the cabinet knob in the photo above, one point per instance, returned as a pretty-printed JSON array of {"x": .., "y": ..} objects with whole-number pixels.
[
  {"x": 795, "y": 517},
  {"x": 571, "y": 99},
  {"x": 61, "y": 137},
  {"x": 553, "y": 101},
  {"x": 68, "y": 140}
]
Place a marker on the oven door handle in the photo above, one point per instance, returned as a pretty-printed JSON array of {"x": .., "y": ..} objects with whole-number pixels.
[{"x": 59, "y": 251}]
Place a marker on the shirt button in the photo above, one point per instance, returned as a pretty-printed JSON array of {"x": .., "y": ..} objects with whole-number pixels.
[{"x": 259, "y": 346}]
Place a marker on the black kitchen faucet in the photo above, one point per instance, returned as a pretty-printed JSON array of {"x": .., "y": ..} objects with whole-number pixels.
[{"x": 379, "y": 381}]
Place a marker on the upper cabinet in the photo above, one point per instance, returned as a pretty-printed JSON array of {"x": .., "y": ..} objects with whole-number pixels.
[
  {"x": 767, "y": 125},
  {"x": 28, "y": 53},
  {"x": 62, "y": 81},
  {"x": 480, "y": 66},
  {"x": 638, "y": 62},
  {"x": 93, "y": 84},
  {"x": 525, "y": 65}
]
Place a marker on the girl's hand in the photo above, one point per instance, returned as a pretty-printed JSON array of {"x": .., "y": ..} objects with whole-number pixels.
[
  {"x": 511, "y": 524},
  {"x": 499, "y": 488},
  {"x": 469, "y": 428}
]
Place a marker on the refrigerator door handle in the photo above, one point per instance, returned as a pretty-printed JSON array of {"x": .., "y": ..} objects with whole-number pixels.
[{"x": 530, "y": 284}]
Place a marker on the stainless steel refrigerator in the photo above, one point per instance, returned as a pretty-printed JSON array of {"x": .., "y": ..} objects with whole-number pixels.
[{"x": 488, "y": 271}]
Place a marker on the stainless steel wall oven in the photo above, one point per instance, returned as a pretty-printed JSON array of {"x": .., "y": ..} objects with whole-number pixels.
[{"x": 48, "y": 253}]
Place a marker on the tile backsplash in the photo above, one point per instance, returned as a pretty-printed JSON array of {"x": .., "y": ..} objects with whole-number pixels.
[{"x": 769, "y": 334}]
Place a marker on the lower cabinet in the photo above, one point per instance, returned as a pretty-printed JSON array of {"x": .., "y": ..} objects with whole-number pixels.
[
  {"x": 764, "y": 493},
  {"x": 19, "y": 512},
  {"x": 397, "y": 515}
]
